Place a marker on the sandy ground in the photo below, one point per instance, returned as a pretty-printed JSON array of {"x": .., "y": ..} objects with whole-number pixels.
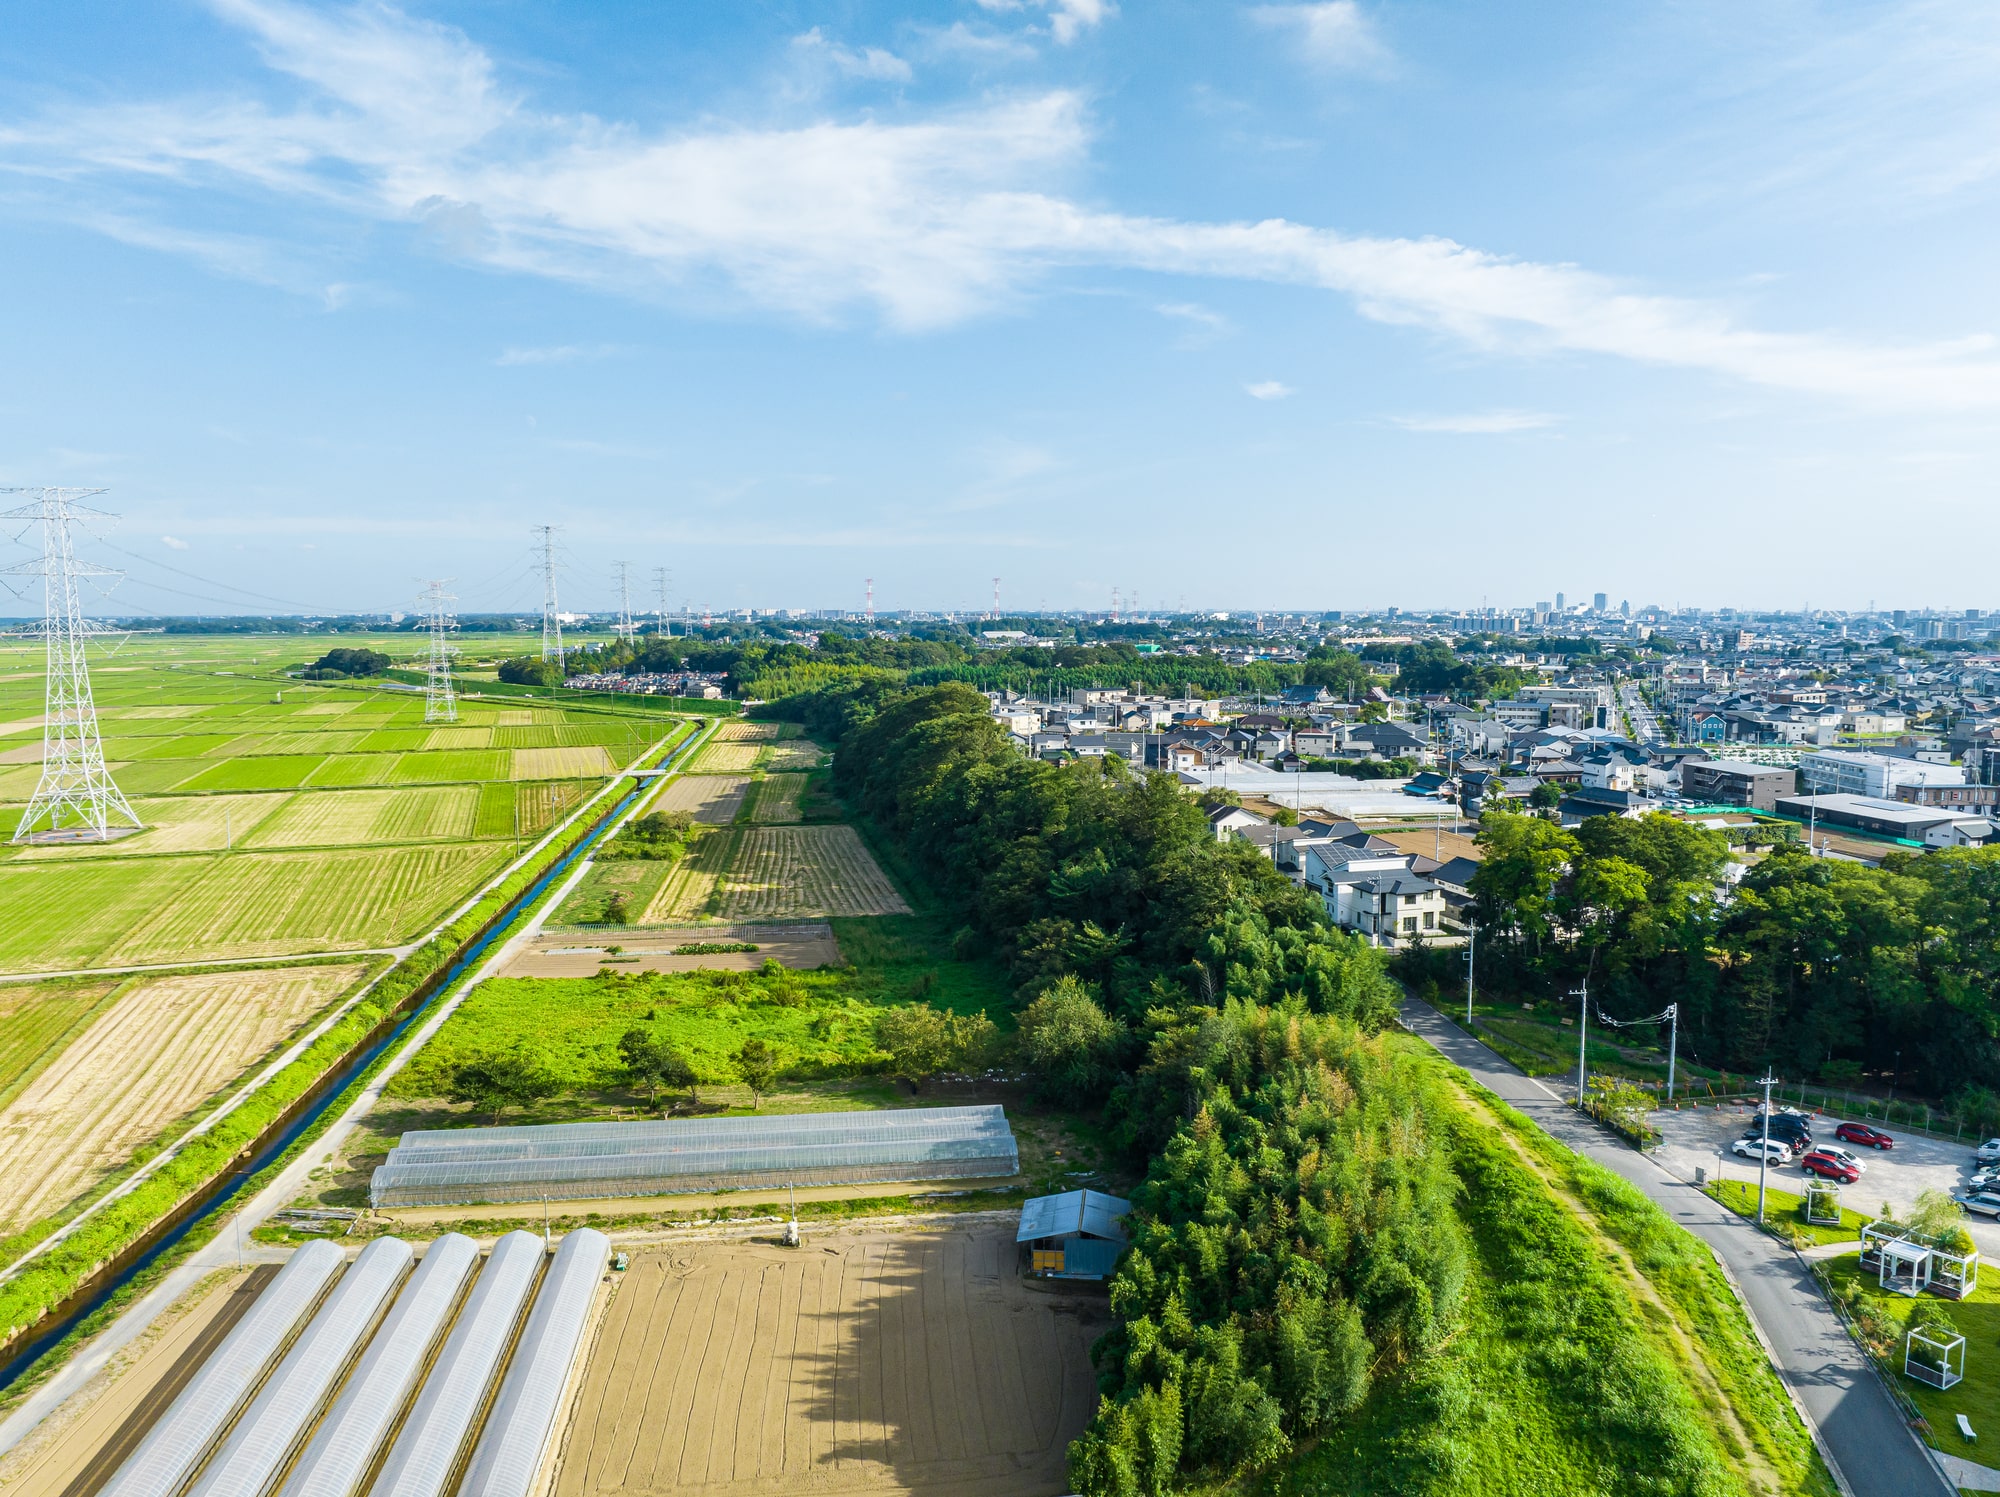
[
  {"x": 803, "y": 946},
  {"x": 713, "y": 798},
  {"x": 74, "y": 1452},
  {"x": 160, "y": 1052},
  {"x": 863, "y": 1362},
  {"x": 1691, "y": 1136}
]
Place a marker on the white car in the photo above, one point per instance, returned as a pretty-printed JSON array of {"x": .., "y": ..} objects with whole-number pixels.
[
  {"x": 1843, "y": 1156},
  {"x": 1776, "y": 1150},
  {"x": 1986, "y": 1179},
  {"x": 1988, "y": 1152}
]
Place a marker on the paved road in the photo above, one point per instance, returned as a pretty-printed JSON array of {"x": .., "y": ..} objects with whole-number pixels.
[{"x": 1874, "y": 1452}]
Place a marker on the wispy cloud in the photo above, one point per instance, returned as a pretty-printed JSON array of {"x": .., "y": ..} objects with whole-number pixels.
[
  {"x": 1478, "y": 423},
  {"x": 566, "y": 353},
  {"x": 924, "y": 223},
  {"x": 868, "y": 62},
  {"x": 1333, "y": 34},
  {"x": 173, "y": 543},
  {"x": 1212, "y": 323},
  {"x": 1269, "y": 389},
  {"x": 1068, "y": 19}
]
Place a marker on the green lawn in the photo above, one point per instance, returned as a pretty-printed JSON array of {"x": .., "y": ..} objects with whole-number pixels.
[
  {"x": 1978, "y": 1396},
  {"x": 1788, "y": 1208}
]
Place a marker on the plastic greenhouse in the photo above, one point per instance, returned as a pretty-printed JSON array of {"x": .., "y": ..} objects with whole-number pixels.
[{"x": 574, "y": 1161}]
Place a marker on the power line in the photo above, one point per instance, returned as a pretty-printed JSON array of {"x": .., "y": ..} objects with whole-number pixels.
[{"x": 210, "y": 582}]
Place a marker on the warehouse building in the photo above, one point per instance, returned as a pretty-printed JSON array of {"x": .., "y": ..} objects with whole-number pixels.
[
  {"x": 1079, "y": 1234},
  {"x": 1933, "y": 826},
  {"x": 589, "y": 1161}
]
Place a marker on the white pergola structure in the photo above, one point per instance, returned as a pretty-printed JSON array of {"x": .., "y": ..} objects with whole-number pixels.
[
  {"x": 1823, "y": 1203},
  {"x": 1906, "y": 1267},
  {"x": 1934, "y": 1356}
]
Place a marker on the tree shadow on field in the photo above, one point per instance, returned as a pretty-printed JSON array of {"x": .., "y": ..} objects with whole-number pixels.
[{"x": 939, "y": 1368}]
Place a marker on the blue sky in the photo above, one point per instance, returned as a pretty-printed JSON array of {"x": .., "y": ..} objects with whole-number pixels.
[{"x": 1326, "y": 305}]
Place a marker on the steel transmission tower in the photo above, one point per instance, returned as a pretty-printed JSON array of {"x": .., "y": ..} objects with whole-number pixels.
[
  {"x": 552, "y": 645},
  {"x": 440, "y": 704},
  {"x": 624, "y": 629},
  {"x": 76, "y": 800},
  {"x": 662, "y": 580}
]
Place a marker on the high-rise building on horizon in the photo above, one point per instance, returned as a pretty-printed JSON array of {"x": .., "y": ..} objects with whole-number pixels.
[{"x": 1599, "y": 602}]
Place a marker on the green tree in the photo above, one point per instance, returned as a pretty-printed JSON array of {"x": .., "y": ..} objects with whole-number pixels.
[
  {"x": 757, "y": 1063},
  {"x": 529, "y": 670},
  {"x": 653, "y": 1064},
  {"x": 1069, "y": 1042},
  {"x": 518, "y": 1078},
  {"x": 918, "y": 1040}
]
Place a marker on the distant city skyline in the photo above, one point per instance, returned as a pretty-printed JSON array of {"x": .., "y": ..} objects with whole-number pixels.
[{"x": 1323, "y": 302}]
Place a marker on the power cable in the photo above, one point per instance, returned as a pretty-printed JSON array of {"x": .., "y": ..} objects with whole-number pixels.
[{"x": 211, "y": 582}]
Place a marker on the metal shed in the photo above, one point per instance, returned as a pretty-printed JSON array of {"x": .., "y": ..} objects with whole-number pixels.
[
  {"x": 1079, "y": 1234},
  {"x": 573, "y": 1161}
]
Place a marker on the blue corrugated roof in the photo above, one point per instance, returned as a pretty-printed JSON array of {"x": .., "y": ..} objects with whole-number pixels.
[{"x": 1088, "y": 1211}]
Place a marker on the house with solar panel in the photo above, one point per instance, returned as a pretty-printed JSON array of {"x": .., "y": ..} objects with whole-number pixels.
[{"x": 1079, "y": 1234}]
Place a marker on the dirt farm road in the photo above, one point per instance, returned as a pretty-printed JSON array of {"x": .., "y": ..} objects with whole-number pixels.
[{"x": 1856, "y": 1423}]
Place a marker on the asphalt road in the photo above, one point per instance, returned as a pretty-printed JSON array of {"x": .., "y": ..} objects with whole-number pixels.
[{"x": 1859, "y": 1427}]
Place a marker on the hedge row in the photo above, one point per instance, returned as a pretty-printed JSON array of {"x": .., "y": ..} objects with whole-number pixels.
[{"x": 60, "y": 1272}]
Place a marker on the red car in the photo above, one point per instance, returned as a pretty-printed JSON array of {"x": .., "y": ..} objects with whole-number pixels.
[
  {"x": 1828, "y": 1168},
  {"x": 1861, "y": 1133}
]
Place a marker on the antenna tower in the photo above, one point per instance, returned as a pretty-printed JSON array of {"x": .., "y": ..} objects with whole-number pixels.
[
  {"x": 871, "y": 602},
  {"x": 552, "y": 645},
  {"x": 624, "y": 629},
  {"x": 996, "y": 600},
  {"x": 76, "y": 798},
  {"x": 663, "y": 581},
  {"x": 440, "y": 704},
  {"x": 1114, "y": 605}
]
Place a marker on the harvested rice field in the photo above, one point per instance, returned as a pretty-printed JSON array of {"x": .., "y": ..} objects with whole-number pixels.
[
  {"x": 562, "y": 763},
  {"x": 794, "y": 754},
  {"x": 864, "y": 1363},
  {"x": 777, "y": 873},
  {"x": 157, "y": 1053},
  {"x": 713, "y": 798},
  {"x": 335, "y": 818},
  {"x": 776, "y": 802},
  {"x": 736, "y": 730},
  {"x": 719, "y": 756}
]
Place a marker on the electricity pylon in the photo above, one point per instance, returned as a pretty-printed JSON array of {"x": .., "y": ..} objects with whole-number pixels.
[
  {"x": 76, "y": 800},
  {"x": 662, "y": 580},
  {"x": 552, "y": 645},
  {"x": 623, "y": 628},
  {"x": 440, "y": 703}
]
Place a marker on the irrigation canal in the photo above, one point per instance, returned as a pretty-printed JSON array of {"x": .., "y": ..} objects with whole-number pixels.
[{"x": 92, "y": 1295}]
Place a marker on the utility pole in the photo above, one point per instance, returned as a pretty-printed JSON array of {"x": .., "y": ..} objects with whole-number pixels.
[
  {"x": 1673, "y": 1044},
  {"x": 1582, "y": 1040},
  {"x": 1764, "y": 1151},
  {"x": 552, "y": 641},
  {"x": 1471, "y": 954},
  {"x": 75, "y": 799},
  {"x": 440, "y": 705}
]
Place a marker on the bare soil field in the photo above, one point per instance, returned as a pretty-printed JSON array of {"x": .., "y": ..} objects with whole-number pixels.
[
  {"x": 712, "y": 798},
  {"x": 75, "y": 1451},
  {"x": 156, "y": 1055},
  {"x": 776, "y": 873},
  {"x": 777, "y": 800},
  {"x": 736, "y": 730},
  {"x": 1429, "y": 844},
  {"x": 651, "y": 949},
  {"x": 793, "y": 754},
  {"x": 867, "y": 1363}
]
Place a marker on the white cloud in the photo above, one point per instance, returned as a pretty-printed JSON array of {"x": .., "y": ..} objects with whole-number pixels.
[
  {"x": 961, "y": 40},
  {"x": 173, "y": 543},
  {"x": 1480, "y": 423},
  {"x": 869, "y": 62},
  {"x": 1269, "y": 389},
  {"x": 1200, "y": 316},
  {"x": 1068, "y": 19},
  {"x": 924, "y": 223},
  {"x": 567, "y": 353},
  {"x": 1331, "y": 34}
]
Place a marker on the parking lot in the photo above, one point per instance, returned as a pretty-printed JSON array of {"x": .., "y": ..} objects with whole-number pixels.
[{"x": 1692, "y": 1137}]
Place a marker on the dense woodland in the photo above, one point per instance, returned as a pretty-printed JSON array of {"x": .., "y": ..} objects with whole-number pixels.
[{"x": 1825, "y": 969}]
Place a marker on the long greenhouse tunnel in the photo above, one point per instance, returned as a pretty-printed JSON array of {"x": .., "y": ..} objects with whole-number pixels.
[{"x": 444, "y": 1377}]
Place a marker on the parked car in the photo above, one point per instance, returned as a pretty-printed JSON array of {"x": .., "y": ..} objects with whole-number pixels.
[
  {"x": 1827, "y": 1167},
  {"x": 1867, "y": 1137},
  {"x": 1777, "y": 1151},
  {"x": 1988, "y": 1152},
  {"x": 1799, "y": 1138},
  {"x": 1850, "y": 1160},
  {"x": 1985, "y": 1179},
  {"x": 1984, "y": 1202}
]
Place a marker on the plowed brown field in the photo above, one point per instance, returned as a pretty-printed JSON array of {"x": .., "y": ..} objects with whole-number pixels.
[
  {"x": 713, "y": 798},
  {"x": 154, "y": 1056},
  {"x": 877, "y": 1364}
]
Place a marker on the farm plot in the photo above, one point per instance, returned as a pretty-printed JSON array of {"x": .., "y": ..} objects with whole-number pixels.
[
  {"x": 803, "y": 873},
  {"x": 345, "y": 770},
  {"x": 158, "y": 1053},
  {"x": 463, "y": 737},
  {"x": 777, "y": 800},
  {"x": 718, "y": 757},
  {"x": 189, "y": 823},
  {"x": 332, "y": 818},
  {"x": 271, "y": 772},
  {"x": 736, "y": 730},
  {"x": 452, "y": 764},
  {"x": 794, "y": 754},
  {"x": 688, "y": 889},
  {"x": 541, "y": 804},
  {"x": 713, "y": 798},
  {"x": 562, "y": 763},
  {"x": 880, "y": 1364},
  {"x": 36, "y": 1020}
]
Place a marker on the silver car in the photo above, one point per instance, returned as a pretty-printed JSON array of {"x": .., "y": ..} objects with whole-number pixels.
[
  {"x": 1988, "y": 1152},
  {"x": 1776, "y": 1150},
  {"x": 1984, "y": 1202}
]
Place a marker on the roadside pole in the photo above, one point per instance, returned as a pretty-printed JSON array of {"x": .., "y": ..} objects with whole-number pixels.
[
  {"x": 1673, "y": 1044},
  {"x": 1582, "y": 1040},
  {"x": 1764, "y": 1152},
  {"x": 1471, "y": 950}
]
